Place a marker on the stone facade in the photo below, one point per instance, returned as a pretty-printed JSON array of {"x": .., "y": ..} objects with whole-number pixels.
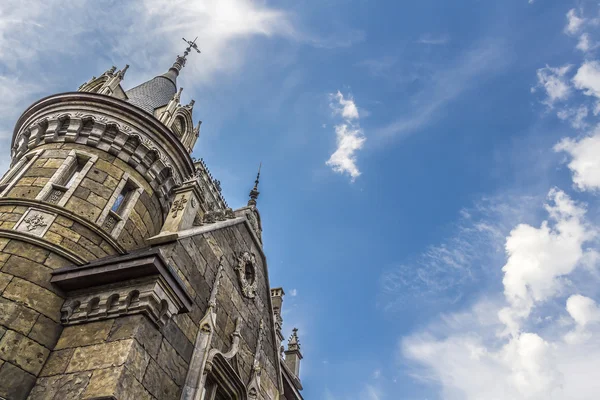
[{"x": 124, "y": 274}]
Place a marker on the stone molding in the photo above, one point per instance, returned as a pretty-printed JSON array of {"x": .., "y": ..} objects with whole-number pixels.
[
  {"x": 51, "y": 208},
  {"x": 117, "y": 127},
  {"x": 27, "y": 238},
  {"x": 138, "y": 283}
]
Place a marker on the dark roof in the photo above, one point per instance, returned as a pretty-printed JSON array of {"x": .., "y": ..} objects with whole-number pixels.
[{"x": 154, "y": 93}]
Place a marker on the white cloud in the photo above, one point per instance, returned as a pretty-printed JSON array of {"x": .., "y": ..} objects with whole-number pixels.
[
  {"x": 445, "y": 271},
  {"x": 554, "y": 82},
  {"x": 587, "y": 78},
  {"x": 584, "y": 43},
  {"x": 585, "y": 163},
  {"x": 539, "y": 257},
  {"x": 576, "y": 116},
  {"x": 344, "y": 107},
  {"x": 349, "y": 136},
  {"x": 574, "y": 22},
  {"x": 293, "y": 292}
]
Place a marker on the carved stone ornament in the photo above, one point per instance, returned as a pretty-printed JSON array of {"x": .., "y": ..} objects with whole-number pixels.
[
  {"x": 178, "y": 205},
  {"x": 246, "y": 271},
  {"x": 34, "y": 222}
]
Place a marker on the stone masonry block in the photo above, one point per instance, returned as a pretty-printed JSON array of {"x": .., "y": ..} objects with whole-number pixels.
[
  {"x": 57, "y": 362},
  {"x": 31, "y": 271},
  {"x": 46, "y": 331},
  {"x": 158, "y": 383},
  {"x": 84, "y": 334},
  {"x": 15, "y": 383},
  {"x": 172, "y": 363},
  {"x": 35, "y": 297},
  {"x": 63, "y": 387},
  {"x": 98, "y": 356},
  {"x": 16, "y": 316},
  {"x": 4, "y": 281},
  {"x": 26, "y": 250},
  {"x": 140, "y": 328},
  {"x": 23, "y": 352}
]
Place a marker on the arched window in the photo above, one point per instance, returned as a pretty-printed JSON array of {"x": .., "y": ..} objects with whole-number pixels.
[{"x": 178, "y": 126}]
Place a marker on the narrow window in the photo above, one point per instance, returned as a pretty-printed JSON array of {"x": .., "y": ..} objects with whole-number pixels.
[
  {"x": 120, "y": 200},
  {"x": 71, "y": 174},
  {"x": 115, "y": 214}
]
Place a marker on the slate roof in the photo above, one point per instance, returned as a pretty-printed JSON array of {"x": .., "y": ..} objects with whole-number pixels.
[{"x": 154, "y": 93}]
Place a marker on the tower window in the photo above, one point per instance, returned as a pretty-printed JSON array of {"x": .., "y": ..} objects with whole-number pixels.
[
  {"x": 120, "y": 200},
  {"x": 65, "y": 180},
  {"x": 117, "y": 210}
]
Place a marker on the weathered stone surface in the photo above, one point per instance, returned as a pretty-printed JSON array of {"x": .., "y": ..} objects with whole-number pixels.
[
  {"x": 35, "y": 297},
  {"x": 4, "y": 281},
  {"x": 45, "y": 331},
  {"x": 26, "y": 250},
  {"x": 23, "y": 352},
  {"x": 57, "y": 362},
  {"x": 131, "y": 389},
  {"x": 29, "y": 270},
  {"x": 16, "y": 316},
  {"x": 137, "y": 361},
  {"x": 178, "y": 340},
  {"x": 103, "y": 383},
  {"x": 187, "y": 326},
  {"x": 172, "y": 363},
  {"x": 84, "y": 334},
  {"x": 55, "y": 261},
  {"x": 158, "y": 383},
  {"x": 15, "y": 383},
  {"x": 140, "y": 328},
  {"x": 98, "y": 356},
  {"x": 61, "y": 387}
]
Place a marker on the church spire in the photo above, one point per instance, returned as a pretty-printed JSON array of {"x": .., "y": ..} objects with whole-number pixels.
[
  {"x": 180, "y": 61},
  {"x": 254, "y": 192}
]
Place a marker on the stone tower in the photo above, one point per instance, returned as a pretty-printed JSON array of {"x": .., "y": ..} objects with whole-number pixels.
[{"x": 124, "y": 274}]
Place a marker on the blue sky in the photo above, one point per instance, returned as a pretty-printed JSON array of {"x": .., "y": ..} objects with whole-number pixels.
[{"x": 430, "y": 179}]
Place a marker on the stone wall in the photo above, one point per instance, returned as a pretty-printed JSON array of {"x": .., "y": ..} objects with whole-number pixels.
[
  {"x": 29, "y": 314},
  {"x": 130, "y": 357}
]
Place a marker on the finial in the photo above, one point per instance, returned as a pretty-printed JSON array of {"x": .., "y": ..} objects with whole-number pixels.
[
  {"x": 121, "y": 73},
  {"x": 180, "y": 61},
  {"x": 191, "y": 104},
  {"x": 294, "y": 342},
  {"x": 254, "y": 192}
]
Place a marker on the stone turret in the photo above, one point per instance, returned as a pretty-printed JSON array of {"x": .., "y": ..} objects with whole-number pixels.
[
  {"x": 123, "y": 271},
  {"x": 293, "y": 354}
]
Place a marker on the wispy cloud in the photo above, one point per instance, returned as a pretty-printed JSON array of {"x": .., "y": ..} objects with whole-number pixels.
[
  {"x": 349, "y": 136},
  {"x": 434, "y": 40},
  {"x": 446, "y": 270},
  {"x": 445, "y": 85}
]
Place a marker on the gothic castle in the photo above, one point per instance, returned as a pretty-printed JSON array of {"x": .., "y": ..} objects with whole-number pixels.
[{"x": 123, "y": 272}]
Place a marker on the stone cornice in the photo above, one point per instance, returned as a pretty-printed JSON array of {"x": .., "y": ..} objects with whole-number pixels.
[
  {"x": 11, "y": 201},
  {"x": 110, "y": 102}
]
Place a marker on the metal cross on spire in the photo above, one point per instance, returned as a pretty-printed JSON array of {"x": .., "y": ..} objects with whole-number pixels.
[
  {"x": 192, "y": 45},
  {"x": 180, "y": 62}
]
